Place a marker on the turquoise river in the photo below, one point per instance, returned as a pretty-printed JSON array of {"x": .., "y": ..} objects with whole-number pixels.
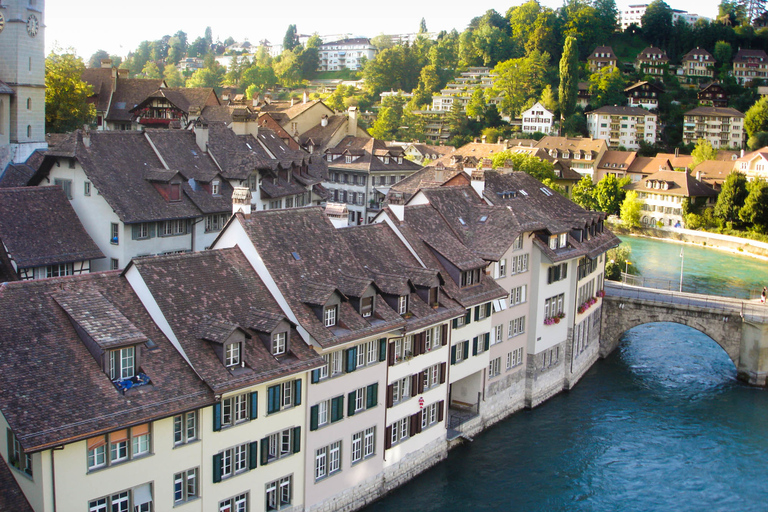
[{"x": 660, "y": 425}]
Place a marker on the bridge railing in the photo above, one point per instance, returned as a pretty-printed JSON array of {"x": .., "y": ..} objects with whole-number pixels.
[{"x": 755, "y": 312}]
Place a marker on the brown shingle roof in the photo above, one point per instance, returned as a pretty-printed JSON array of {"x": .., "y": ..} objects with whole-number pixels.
[
  {"x": 679, "y": 183},
  {"x": 128, "y": 94},
  {"x": 12, "y": 498},
  {"x": 39, "y": 227}
]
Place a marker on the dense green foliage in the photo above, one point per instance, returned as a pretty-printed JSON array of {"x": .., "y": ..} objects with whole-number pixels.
[{"x": 66, "y": 95}]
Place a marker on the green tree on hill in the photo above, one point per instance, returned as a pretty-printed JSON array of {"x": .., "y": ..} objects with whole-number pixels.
[
  {"x": 66, "y": 95},
  {"x": 754, "y": 213},
  {"x": 731, "y": 198},
  {"x": 631, "y": 209},
  {"x": 569, "y": 77},
  {"x": 756, "y": 118}
]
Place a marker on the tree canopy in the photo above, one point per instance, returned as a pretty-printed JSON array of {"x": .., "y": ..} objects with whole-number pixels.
[
  {"x": 569, "y": 77},
  {"x": 66, "y": 95},
  {"x": 731, "y": 198},
  {"x": 756, "y": 118}
]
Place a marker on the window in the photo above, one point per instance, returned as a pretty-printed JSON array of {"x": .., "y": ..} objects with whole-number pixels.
[
  {"x": 430, "y": 415},
  {"x": 470, "y": 277},
  {"x": 366, "y": 307},
  {"x": 280, "y": 444},
  {"x": 216, "y": 221},
  {"x": 557, "y": 273},
  {"x": 325, "y": 412},
  {"x": 482, "y": 311},
  {"x": 122, "y": 363},
  {"x": 119, "y": 446},
  {"x": 142, "y": 231},
  {"x": 328, "y": 460},
  {"x": 502, "y": 268},
  {"x": 400, "y": 431},
  {"x": 563, "y": 239},
  {"x": 519, "y": 264},
  {"x": 402, "y": 304},
  {"x": 18, "y": 458},
  {"x": 363, "y": 398},
  {"x": 232, "y": 354},
  {"x": 87, "y": 188},
  {"x": 215, "y": 187},
  {"x": 517, "y": 295},
  {"x": 518, "y": 243},
  {"x": 431, "y": 376},
  {"x": 114, "y": 264},
  {"x": 403, "y": 348},
  {"x": 173, "y": 227},
  {"x": 185, "y": 486},
  {"x": 237, "y": 503},
  {"x": 368, "y": 353},
  {"x": 233, "y": 461},
  {"x": 185, "y": 428},
  {"x": 433, "y": 338},
  {"x": 553, "y": 306},
  {"x": 140, "y": 496},
  {"x": 329, "y": 315},
  {"x": 279, "y": 493},
  {"x": 278, "y": 343},
  {"x": 459, "y": 352},
  {"x": 235, "y": 409},
  {"x": 498, "y": 333},
  {"x": 516, "y": 327},
  {"x": 401, "y": 390},
  {"x": 114, "y": 233},
  {"x": 283, "y": 396},
  {"x": 515, "y": 358},
  {"x": 494, "y": 368},
  {"x": 63, "y": 269}
]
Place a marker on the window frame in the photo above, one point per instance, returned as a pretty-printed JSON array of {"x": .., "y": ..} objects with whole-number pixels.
[
  {"x": 185, "y": 428},
  {"x": 186, "y": 485}
]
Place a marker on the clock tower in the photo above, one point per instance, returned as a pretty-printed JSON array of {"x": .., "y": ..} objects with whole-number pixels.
[{"x": 22, "y": 79}]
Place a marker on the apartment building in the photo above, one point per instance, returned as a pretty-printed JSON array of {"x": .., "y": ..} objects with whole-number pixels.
[
  {"x": 663, "y": 194},
  {"x": 538, "y": 119},
  {"x": 750, "y": 65},
  {"x": 602, "y": 57},
  {"x": 652, "y": 61},
  {"x": 622, "y": 126},
  {"x": 696, "y": 65},
  {"x": 722, "y": 127},
  {"x": 580, "y": 154},
  {"x": 644, "y": 94},
  {"x": 345, "y": 54}
]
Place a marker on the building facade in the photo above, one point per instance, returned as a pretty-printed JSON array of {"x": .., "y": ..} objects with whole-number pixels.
[
  {"x": 538, "y": 119},
  {"x": 750, "y": 65},
  {"x": 722, "y": 127},
  {"x": 622, "y": 126},
  {"x": 345, "y": 54}
]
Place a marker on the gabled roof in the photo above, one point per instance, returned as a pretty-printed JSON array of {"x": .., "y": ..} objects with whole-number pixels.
[
  {"x": 679, "y": 183},
  {"x": 714, "y": 111},
  {"x": 617, "y": 160},
  {"x": 205, "y": 297},
  {"x": 309, "y": 259},
  {"x": 186, "y": 99},
  {"x": 714, "y": 172},
  {"x": 644, "y": 84},
  {"x": 100, "y": 80},
  {"x": 745, "y": 55},
  {"x": 572, "y": 144},
  {"x": 39, "y": 227},
  {"x": 595, "y": 55},
  {"x": 695, "y": 53},
  {"x": 478, "y": 150},
  {"x": 621, "y": 111},
  {"x": 128, "y": 94},
  {"x": 12, "y": 498},
  {"x": 431, "y": 176},
  {"x": 54, "y": 357},
  {"x": 649, "y": 51},
  {"x": 370, "y": 153}
]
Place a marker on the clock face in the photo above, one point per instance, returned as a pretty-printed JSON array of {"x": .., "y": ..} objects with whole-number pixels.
[{"x": 32, "y": 25}]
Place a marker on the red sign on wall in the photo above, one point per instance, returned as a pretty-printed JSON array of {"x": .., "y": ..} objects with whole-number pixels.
[{"x": 421, "y": 402}]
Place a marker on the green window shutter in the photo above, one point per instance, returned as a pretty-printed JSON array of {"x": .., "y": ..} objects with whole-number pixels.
[
  {"x": 455, "y": 323},
  {"x": 383, "y": 349},
  {"x": 351, "y": 362},
  {"x": 466, "y": 349},
  {"x": 477, "y": 313},
  {"x": 134, "y": 231},
  {"x": 254, "y": 405},
  {"x": 351, "y": 403},
  {"x": 313, "y": 418},
  {"x": 273, "y": 403},
  {"x": 565, "y": 270},
  {"x": 315, "y": 376},
  {"x": 264, "y": 451},
  {"x": 152, "y": 229},
  {"x": 487, "y": 341},
  {"x": 296, "y": 439},
  {"x": 474, "y": 346},
  {"x": 217, "y": 416},
  {"x": 373, "y": 395},
  {"x": 468, "y": 317},
  {"x": 488, "y": 309},
  {"x": 337, "y": 408},
  {"x": 217, "y": 468},
  {"x": 253, "y": 452},
  {"x": 297, "y": 392},
  {"x": 453, "y": 354}
]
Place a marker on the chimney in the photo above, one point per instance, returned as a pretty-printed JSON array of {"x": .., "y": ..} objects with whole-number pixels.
[
  {"x": 305, "y": 98},
  {"x": 483, "y": 138},
  {"x": 742, "y": 153},
  {"x": 293, "y": 101},
  {"x": 677, "y": 152},
  {"x": 352, "y": 122},
  {"x": 324, "y": 121},
  {"x": 201, "y": 136},
  {"x": 698, "y": 175},
  {"x": 241, "y": 201},
  {"x": 86, "y": 136},
  {"x": 106, "y": 63}
]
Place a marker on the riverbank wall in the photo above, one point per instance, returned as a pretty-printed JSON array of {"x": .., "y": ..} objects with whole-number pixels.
[{"x": 704, "y": 238}]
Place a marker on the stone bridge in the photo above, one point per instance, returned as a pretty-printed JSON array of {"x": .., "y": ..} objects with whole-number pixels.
[{"x": 739, "y": 327}]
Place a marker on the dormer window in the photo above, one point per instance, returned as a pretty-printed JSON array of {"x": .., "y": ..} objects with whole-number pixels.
[
  {"x": 122, "y": 363},
  {"x": 174, "y": 192},
  {"x": 553, "y": 242},
  {"x": 348, "y": 159},
  {"x": 402, "y": 304},
  {"x": 329, "y": 316},
  {"x": 399, "y": 159},
  {"x": 279, "y": 343},
  {"x": 232, "y": 354},
  {"x": 386, "y": 159},
  {"x": 433, "y": 294},
  {"x": 563, "y": 239},
  {"x": 215, "y": 187},
  {"x": 366, "y": 307},
  {"x": 470, "y": 277},
  {"x": 329, "y": 157}
]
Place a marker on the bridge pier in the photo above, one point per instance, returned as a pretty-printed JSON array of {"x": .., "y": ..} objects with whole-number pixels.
[{"x": 744, "y": 338}]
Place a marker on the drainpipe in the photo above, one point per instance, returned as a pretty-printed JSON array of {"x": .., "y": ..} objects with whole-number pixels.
[{"x": 53, "y": 474}]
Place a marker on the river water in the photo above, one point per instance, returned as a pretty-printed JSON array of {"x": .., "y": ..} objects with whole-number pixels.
[{"x": 660, "y": 425}]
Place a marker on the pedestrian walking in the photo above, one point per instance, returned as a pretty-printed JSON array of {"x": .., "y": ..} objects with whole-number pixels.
[{"x": 762, "y": 295}]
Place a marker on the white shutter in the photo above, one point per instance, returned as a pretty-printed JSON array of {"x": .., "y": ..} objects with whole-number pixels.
[
  {"x": 522, "y": 295},
  {"x": 142, "y": 494}
]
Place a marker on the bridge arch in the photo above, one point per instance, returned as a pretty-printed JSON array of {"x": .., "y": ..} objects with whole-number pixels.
[{"x": 622, "y": 314}]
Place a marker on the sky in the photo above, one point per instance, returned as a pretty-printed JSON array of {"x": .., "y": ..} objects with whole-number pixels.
[{"x": 119, "y": 27}]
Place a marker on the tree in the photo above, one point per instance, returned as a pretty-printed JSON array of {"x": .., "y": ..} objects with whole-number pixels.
[
  {"x": 535, "y": 166},
  {"x": 569, "y": 77},
  {"x": 208, "y": 38},
  {"x": 291, "y": 39},
  {"x": 258, "y": 78},
  {"x": 95, "y": 60},
  {"x": 548, "y": 99},
  {"x": 382, "y": 42},
  {"x": 631, "y": 208},
  {"x": 752, "y": 9},
  {"x": 657, "y": 23},
  {"x": 173, "y": 76},
  {"x": 423, "y": 26},
  {"x": 207, "y": 77},
  {"x": 606, "y": 87},
  {"x": 476, "y": 105},
  {"x": 703, "y": 151},
  {"x": 616, "y": 262},
  {"x": 66, "y": 95},
  {"x": 519, "y": 80},
  {"x": 756, "y": 118},
  {"x": 609, "y": 193},
  {"x": 429, "y": 80},
  {"x": 723, "y": 54},
  {"x": 522, "y": 23},
  {"x": 755, "y": 211},
  {"x": 731, "y": 198},
  {"x": 583, "y": 194},
  {"x": 757, "y": 141},
  {"x": 554, "y": 186},
  {"x": 151, "y": 70},
  {"x": 287, "y": 69}
]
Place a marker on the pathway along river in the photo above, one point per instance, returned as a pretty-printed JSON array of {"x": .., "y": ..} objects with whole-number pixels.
[{"x": 660, "y": 425}]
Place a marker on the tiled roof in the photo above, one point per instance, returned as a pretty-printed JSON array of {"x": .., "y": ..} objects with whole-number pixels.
[
  {"x": 100, "y": 80},
  {"x": 431, "y": 176},
  {"x": 745, "y": 55},
  {"x": 621, "y": 111},
  {"x": 602, "y": 49},
  {"x": 368, "y": 152},
  {"x": 571, "y": 144},
  {"x": 695, "y": 53},
  {"x": 12, "y": 498},
  {"x": 652, "y": 50},
  {"x": 714, "y": 111},
  {"x": 323, "y": 264},
  {"x": 128, "y": 94},
  {"x": 321, "y": 135},
  {"x": 680, "y": 183},
  {"x": 714, "y": 172},
  {"x": 617, "y": 160},
  {"x": 64, "y": 395},
  {"x": 473, "y": 149},
  {"x": 5, "y": 88},
  {"x": 198, "y": 291},
  {"x": 650, "y": 164},
  {"x": 39, "y": 227}
]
